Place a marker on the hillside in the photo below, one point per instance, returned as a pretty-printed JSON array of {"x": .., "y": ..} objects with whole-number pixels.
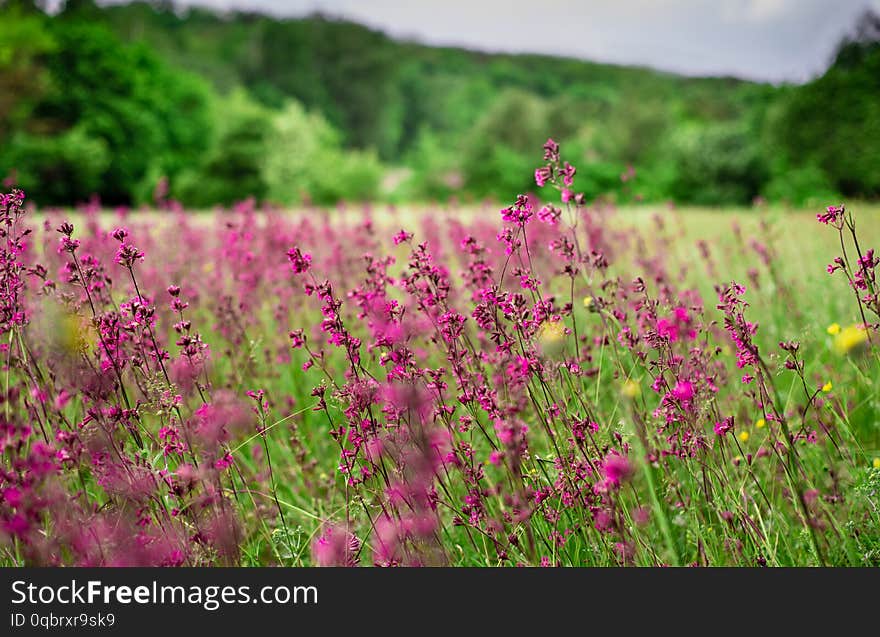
[
  {"x": 381, "y": 92},
  {"x": 453, "y": 118}
]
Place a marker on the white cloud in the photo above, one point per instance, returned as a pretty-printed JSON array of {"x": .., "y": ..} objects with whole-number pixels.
[
  {"x": 763, "y": 39},
  {"x": 757, "y": 11},
  {"x": 762, "y": 10}
]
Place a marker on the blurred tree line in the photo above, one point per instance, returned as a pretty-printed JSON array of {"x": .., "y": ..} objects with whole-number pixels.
[{"x": 110, "y": 99}]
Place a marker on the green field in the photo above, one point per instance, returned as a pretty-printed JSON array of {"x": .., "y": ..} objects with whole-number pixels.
[{"x": 556, "y": 450}]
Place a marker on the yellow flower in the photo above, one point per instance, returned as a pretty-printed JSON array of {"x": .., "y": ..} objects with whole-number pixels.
[
  {"x": 760, "y": 423},
  {"x": 833, "y": 329},
  {"x": 76, "y": 334},
  {"x": 744, "y": 436},
  {"x": 551, "y": 331},
  {"x": 551, "y": 337},
  {"x": 850, "y": 338},
  {"x": 876, "y": 463},
  {"x": 590, "y": 304},
  {"x": 630, "y": 388},
  {"x": 827, "y": 387}
]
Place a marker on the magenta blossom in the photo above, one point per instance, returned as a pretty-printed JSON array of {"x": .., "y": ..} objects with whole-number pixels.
[
  {"x": 402, "y": 237},
  {"x": 725, "y": 426},
  {"x": 299, "y": 262},
  {"x": 551, "y": 151},
  {"x": 335, "y": 546},
  {"x": 128, "y": 254},
  {"x": 679, "y": 325},
  {"x": 520, "y": 212},
  {"x": 615, "y": 469},
  {"x": 832, "y": 215},
  {"x": 683, "y": 391},
  {"x": 543, "y": 175},
  {"x": 568, "y": 171}
]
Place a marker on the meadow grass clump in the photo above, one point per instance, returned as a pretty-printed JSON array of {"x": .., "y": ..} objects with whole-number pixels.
[{"x": 554, "y": 385}]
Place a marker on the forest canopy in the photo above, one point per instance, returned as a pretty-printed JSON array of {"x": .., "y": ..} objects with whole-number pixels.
[{"x": 108, "y": 100}]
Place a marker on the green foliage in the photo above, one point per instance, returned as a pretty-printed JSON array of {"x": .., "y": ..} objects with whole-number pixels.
[
  {"x": 631, "y": 128},
  {"x": 498, "y": 158},
  {"x": 232, "y": 169},
  {"x": 833, "y": 123},
  {"x": 305, "y": 161},
  {"x": 342, "y": 69},
  {"x": 717, "y": 163},
  {"x": 351, "y": 176},
  {"x": 407, "y": 100},
  {"x": 435, "y": 175},
  {"x": 804, "y": 186},
  {"x": 601, "y": 178},
  {"x": 89, "y": 92},
  {"x": 153, "y": 85},
  {"x": 301, "y": 141},
  {"x": 25, "y": 42},
  {"x": 61, "y": 168}
]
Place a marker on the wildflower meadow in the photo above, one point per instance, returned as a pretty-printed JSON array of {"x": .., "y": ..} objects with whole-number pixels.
[{"x": 559, "y": 383}]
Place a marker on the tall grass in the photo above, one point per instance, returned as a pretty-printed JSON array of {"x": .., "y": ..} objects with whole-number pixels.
[{"x": 562, "y": 383}]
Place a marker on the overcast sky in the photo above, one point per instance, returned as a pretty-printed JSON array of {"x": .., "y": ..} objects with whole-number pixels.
[{"x": 773, "y": 40}]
